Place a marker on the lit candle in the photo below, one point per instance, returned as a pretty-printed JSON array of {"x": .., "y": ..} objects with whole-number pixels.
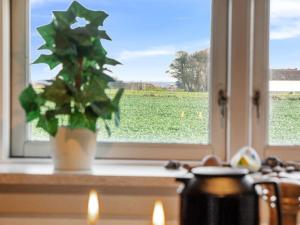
[
  {"x": 158, "y": 217},
  {"x": 93, "y": 208}
]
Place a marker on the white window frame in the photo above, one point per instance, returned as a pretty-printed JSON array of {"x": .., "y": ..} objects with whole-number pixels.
[
  {"x": 239, "y": 44},
  {"x": 261, "y": 83},
  {"x": 217, "y": 142},
  {"x": 4, "y": 79}
]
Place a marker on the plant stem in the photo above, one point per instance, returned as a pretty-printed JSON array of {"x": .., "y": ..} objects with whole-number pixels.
[{"x": 78, "y": 77}]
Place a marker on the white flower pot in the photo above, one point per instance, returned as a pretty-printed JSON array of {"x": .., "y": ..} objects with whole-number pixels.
[{"x": 73, "y": 149}]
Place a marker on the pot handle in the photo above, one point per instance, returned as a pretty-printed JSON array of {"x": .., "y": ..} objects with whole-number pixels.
[{"x": 276, "y": 199}]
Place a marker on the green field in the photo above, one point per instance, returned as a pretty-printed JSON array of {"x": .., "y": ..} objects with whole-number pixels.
[
  {"x": 284, "y": 119},
  {"x": 172, "y": 117}
]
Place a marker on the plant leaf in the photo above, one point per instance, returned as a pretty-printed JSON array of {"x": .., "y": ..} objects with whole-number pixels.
[
  {"x": 48, "y": 33},
  {"x": 107, "y": 128},
  {"x": 103, "y": 110},
  {"x": 112, "y": 62},
  {"x": 49, "y": 124},
  {"x": 61, "y": 110},
  {"x": 63, "y": 19},
  {"x": 95, "y": 17},
  {"x": 80, "y": 120},
  {"x": 57, "y": 92},
  {"x": 63, "y": 46},
  {"x": 51, "y": 60},
  {"x": 115, "y": 102},
  {"x": 81, "y": 36},
  {"x": 31, "y": 102},
  {"x": 103, "y": 35},
  {"x": 93, "y": 90},
  {"x": 118, "y": 97},
  {"x": 100, "y": 74}
]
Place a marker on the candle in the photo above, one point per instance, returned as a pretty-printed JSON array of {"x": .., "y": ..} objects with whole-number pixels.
[
  {"x": 158, "y": 217},
  {"x": 93, "y": 208}
]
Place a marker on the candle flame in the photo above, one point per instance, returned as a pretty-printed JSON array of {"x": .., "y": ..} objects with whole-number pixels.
[
  {"x": 158, "y": 217},
  {"x": 93, "y": 208}
]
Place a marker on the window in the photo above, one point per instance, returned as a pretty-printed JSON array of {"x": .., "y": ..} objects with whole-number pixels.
[
  {"x": 284, "y": 84},
  {"x": 152, "y": 43},
  {"x": 276, "y": 77},
  {"x": 160, "y": 113},
  {"x": 248, "y": 93}
]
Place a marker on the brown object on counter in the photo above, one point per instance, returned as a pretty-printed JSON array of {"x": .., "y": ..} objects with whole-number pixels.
[
  {"x": 272, "y": 161},
  {"x": 296, "y": 165},
  {"x": 290, "y": 192},
  {"x": 211, "y": 160},
  {"x": 189, "y": 167},
  {"x": 173, "y": 165}
]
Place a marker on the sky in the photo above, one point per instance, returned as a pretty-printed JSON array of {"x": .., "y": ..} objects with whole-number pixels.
[
  {"x": 285, "y": 34},
  {"x": 146, "y": 34}
]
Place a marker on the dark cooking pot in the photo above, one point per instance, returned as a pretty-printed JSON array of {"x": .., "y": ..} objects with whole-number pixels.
[{"x": 224, "y": 196}]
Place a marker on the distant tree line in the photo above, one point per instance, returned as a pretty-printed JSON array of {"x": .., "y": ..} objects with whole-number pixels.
[
  {"x": 191, "y": 70},
  {"x": 132, "y": 85}
]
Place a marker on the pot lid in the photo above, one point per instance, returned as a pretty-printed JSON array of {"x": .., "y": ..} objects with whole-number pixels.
[{"x": 219, "y": 171}]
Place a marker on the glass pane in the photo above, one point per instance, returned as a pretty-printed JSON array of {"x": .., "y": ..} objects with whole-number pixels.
[
  {"x": 164, "y": 49},
  {"x": 284, "y": 116}
]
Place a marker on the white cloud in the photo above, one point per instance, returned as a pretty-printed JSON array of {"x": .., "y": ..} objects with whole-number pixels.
[
  {"x": 285, "y": 9},
  {"x": 285, "y": 31},
  {"x": 146, "y": 53},
  {"x": 164, "y": 50},
  {"x": 285, "y": 19}
]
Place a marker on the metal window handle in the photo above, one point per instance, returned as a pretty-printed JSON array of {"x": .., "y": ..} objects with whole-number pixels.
[
  {"x": 222, "y": 102},
  {"x": 256, "y": 102}
]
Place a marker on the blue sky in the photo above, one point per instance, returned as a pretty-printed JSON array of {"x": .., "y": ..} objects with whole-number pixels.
[
  {"x": 147, "y": 33},
  {"x": 285, "y": 34}
]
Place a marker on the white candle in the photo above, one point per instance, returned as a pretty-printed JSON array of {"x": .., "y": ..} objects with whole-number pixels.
[
  {"x": 158, "y": 217},
  {"x": 93, "y": 208}
]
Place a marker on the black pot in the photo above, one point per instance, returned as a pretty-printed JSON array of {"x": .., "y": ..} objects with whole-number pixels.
[{"x": 223, "y": 196}]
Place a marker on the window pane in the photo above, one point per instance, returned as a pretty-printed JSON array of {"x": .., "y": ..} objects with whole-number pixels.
[
  {"x": 164, "y": 50},
  {"x": 284, "y": 122}
]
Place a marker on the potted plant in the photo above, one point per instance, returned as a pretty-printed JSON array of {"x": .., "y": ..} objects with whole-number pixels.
[{"x": 69, "y": 106}]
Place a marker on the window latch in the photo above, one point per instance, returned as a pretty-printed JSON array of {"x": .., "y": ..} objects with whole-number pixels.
[
  {"x": 256, "y": 102},
  {"x": 222, "y": 102}
]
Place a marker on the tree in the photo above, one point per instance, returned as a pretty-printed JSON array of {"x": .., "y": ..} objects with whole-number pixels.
[
  {"x": 191, "y": 70},
  {"x": 200, "y": 66}
]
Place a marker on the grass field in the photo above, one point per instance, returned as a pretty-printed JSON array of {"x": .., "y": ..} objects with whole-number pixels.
[
  {"x": 172, "y": 117},
  {"x": 284, "y": 121}
]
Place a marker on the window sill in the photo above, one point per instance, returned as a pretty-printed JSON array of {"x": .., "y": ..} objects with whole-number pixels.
[{"x": 106, "y": 173}]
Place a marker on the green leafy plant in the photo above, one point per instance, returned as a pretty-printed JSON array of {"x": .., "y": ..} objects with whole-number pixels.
[{"x": 77, "y": 93}]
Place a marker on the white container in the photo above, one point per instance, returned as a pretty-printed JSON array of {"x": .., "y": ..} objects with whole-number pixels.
[{"x": 73, "y": 149}]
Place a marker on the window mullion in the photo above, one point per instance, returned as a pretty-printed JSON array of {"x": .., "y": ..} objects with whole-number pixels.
[
  {"x": 218, "y": 75},
  {"x": 260, "y": 74},
  {"x": 239, "y": 64}
]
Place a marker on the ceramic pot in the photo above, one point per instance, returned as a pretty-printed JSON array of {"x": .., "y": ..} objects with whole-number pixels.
[{"x": 73, "y": 149}]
